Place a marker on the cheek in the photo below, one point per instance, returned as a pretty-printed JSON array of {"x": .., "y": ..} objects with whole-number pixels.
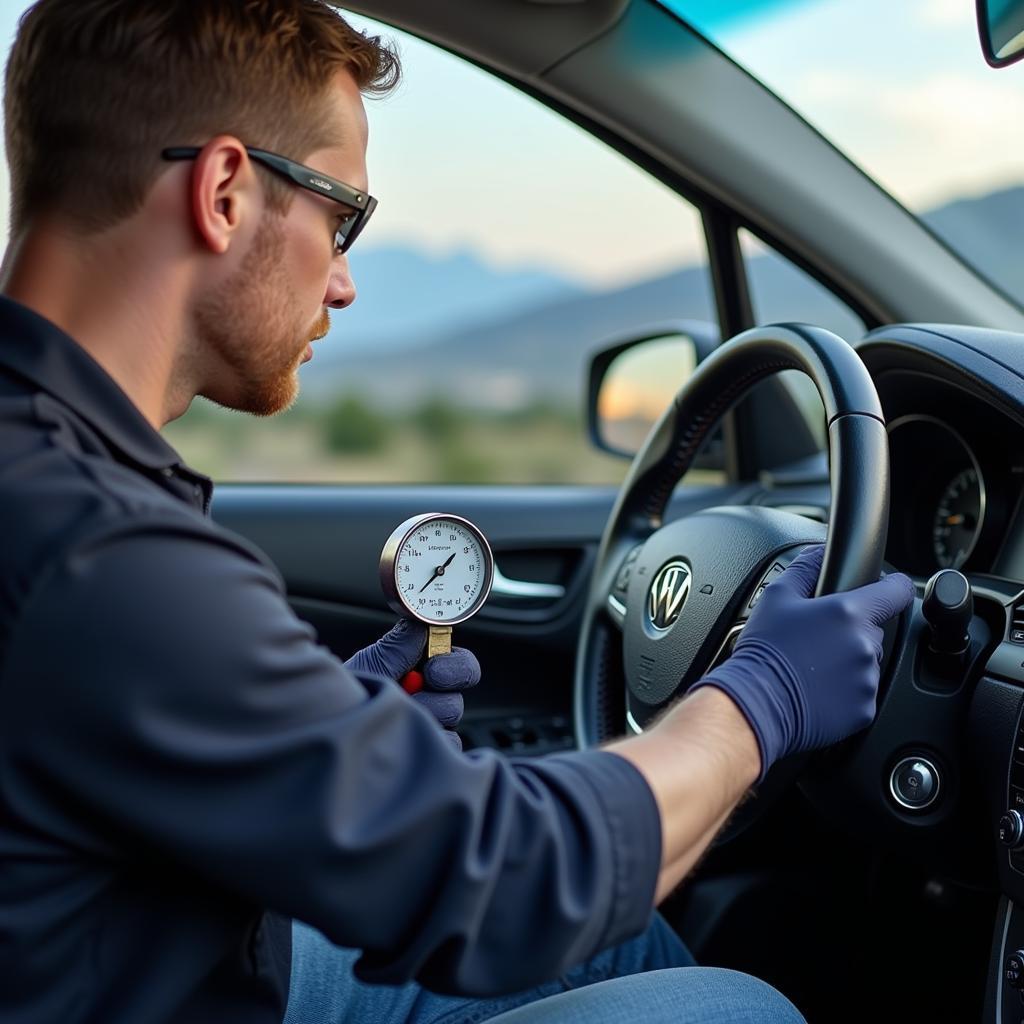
[{"x": 309, "y": 255}]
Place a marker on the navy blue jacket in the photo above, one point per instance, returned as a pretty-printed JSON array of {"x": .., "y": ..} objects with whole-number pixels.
[{"x": 183, "y": 768}]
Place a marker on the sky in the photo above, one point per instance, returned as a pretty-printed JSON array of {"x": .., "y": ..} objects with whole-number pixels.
[
  {"x": 9, "y": 12},
  {"x": 462, "y": 162},
  {"x": 512, "y": 180},
  {"x": 908, "y": 94}
]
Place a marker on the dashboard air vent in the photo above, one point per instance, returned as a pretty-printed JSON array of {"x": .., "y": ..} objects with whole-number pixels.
[{"x": 1017, "y": 624}]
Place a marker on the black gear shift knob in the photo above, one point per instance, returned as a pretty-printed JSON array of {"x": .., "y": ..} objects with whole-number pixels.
[{"x": 948, "y": 607}]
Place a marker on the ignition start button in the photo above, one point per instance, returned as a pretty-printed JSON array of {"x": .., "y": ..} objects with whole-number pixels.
[
  {"x": 1013, "y": 970},
  {"x": 914, "y": 783}
]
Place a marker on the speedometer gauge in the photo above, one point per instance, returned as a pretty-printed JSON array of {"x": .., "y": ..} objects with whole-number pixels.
[
  {"x": 958, "y": 519},
  {"x": 937, "y": 513}
]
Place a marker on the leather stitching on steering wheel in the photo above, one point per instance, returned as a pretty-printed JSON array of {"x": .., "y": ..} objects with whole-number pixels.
[
  {"x": 698, "y": 428},
  {"x": 611, "y": 689}
]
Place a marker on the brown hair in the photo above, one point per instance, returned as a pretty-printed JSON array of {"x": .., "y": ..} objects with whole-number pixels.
[{"x": 95, "y": 89}]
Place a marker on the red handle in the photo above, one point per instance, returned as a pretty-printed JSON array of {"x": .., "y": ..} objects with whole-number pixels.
[{"x": 412, "y": 682}]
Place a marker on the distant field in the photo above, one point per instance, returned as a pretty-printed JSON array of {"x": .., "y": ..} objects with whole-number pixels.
[{"x": 352, "y": 443}]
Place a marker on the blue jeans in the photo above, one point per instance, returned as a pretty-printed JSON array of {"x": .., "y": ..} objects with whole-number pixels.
[{"x": 652, "y": 978}]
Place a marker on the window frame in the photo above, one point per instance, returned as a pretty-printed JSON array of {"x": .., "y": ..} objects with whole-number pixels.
[{"x": 730, "y": 286}]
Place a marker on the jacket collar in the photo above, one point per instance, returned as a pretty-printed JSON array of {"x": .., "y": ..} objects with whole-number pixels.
[{"x": 43, "y": 354}]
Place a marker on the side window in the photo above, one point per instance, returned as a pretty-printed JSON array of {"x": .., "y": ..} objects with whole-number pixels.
[
  {"x": 10, "y": 13},
  {"x": 781, "y": 292},
  {"x": 508, "y": 246}
]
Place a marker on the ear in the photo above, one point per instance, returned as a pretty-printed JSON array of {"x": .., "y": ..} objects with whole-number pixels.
[{"x": 224, "y": 191}]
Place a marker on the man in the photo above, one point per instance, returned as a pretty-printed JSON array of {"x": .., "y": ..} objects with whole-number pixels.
[{"x": 182, "y": 768}]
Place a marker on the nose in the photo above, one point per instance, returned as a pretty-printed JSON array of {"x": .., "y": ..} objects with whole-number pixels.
[{"x": 341, "y": 289}]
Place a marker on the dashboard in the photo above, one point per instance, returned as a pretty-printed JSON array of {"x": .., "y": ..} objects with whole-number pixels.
[
  {"x": 953, "y": 399},
  {"x": 951, "y": 700}
]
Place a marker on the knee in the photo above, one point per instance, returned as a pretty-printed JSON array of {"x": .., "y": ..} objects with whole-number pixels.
[
  {"x": 680, "y": 995},
  {"x": 716, "y": 995}
]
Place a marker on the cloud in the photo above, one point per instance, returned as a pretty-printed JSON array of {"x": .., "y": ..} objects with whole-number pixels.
[
  {"x": 925, "y": 139},
  {"x": 939, "y": 106},
  {"x": 944, "y": 14},
  {"x": 975, "y": 112}
]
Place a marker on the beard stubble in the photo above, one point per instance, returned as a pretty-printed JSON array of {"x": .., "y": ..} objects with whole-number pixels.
[{"x": 252, "y": 327}]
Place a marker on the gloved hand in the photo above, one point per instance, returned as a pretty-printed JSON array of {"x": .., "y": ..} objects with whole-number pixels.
[
  {"x": 805, "y": 670},
  {"x": 445, "y": 676}
]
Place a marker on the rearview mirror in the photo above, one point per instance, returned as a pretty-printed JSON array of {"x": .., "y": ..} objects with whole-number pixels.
[
  {"x": 632, "y": 382},
  {"x": 1001, "y": 28}
]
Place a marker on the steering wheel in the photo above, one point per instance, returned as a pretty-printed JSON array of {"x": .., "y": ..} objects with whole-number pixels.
[{"x": 667, "y": 600}]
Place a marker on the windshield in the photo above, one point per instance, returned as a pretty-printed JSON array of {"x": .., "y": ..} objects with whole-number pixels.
[{"x": 903, "y": 89}]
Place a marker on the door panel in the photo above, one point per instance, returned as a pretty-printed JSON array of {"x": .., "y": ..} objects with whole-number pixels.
[{"x": 326, "y": 542}]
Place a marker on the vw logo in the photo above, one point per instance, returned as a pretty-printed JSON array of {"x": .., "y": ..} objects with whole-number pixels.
[{"x": 668, "y": 594}]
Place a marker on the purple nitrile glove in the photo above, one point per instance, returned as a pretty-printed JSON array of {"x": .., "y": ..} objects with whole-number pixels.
[
  {"x": 805, "y": 670},
  {"x": 445, "y": 676}
]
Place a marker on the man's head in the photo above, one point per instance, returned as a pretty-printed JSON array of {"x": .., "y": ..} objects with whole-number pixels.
[{"x": 96, "y": 90}]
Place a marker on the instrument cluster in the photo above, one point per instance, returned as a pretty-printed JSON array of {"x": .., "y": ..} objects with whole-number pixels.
[{"x": 957, "y": 466}]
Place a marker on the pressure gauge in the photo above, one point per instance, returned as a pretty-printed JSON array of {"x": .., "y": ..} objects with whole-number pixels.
[{"x": 437, "y": 568}]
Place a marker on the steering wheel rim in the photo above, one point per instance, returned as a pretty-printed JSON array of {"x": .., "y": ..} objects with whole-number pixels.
[{"x": 857, "y": 525}]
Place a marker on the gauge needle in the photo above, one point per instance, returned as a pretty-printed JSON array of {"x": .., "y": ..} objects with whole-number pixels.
[
  {"x": 954, "y": 520},
  {"x": 439, "y": 571}
]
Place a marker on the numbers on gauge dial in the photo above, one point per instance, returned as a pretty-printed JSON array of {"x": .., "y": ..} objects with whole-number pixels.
[
  {"x": 440, "y": 570},
  {"x": 958, "y": 519}
]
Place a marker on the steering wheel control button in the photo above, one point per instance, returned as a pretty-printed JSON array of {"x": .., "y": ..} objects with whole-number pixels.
[
  {"x": 769, "y": 577},
  {"x": 914, "y": 783},
  {"x": 622, "y": 580},
  {"x": 1011, "y": 829},
  {"x": 1013, "y": 970}
]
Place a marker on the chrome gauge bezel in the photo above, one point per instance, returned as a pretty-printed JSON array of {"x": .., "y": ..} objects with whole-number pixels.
[
  {"x": 972, "y": 459},
  {"x": 389, "y": 561}
]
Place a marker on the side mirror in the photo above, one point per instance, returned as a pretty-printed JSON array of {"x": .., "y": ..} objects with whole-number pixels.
[
  {"x": 1001, "y": 28},
  {"x": 632, "y": 381}
]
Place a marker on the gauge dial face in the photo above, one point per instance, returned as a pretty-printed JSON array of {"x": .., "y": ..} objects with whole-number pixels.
[
  {"x": 958, "y": 519},
  {"x": 439, "y": 568}
]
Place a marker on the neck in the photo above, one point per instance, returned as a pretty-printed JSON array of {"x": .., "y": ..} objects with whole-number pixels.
[{"x": 129, "y": 315}]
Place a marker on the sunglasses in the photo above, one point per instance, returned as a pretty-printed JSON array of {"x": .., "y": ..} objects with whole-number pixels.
[{"x": 359, "y": 204}]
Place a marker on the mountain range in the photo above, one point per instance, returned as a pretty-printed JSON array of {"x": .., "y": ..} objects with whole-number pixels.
[{"x": 454, "y": 326}]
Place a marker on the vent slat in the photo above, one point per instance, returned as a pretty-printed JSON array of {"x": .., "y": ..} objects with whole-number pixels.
[{"x": 1017, "y": 624}]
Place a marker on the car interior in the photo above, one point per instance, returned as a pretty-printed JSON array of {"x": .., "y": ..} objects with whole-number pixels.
[{"x": 879, "y": 878}]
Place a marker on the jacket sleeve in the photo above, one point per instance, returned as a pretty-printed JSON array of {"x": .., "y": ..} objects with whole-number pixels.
[{"x": 162, "y": 701}]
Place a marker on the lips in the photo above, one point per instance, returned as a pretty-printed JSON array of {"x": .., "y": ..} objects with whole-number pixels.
[
  {"x": 321, "y": 327},
  {"x": 318, "y": 331}
]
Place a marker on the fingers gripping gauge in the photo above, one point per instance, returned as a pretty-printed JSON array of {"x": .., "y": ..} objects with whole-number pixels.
[{"x": 437, "y": 569}]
